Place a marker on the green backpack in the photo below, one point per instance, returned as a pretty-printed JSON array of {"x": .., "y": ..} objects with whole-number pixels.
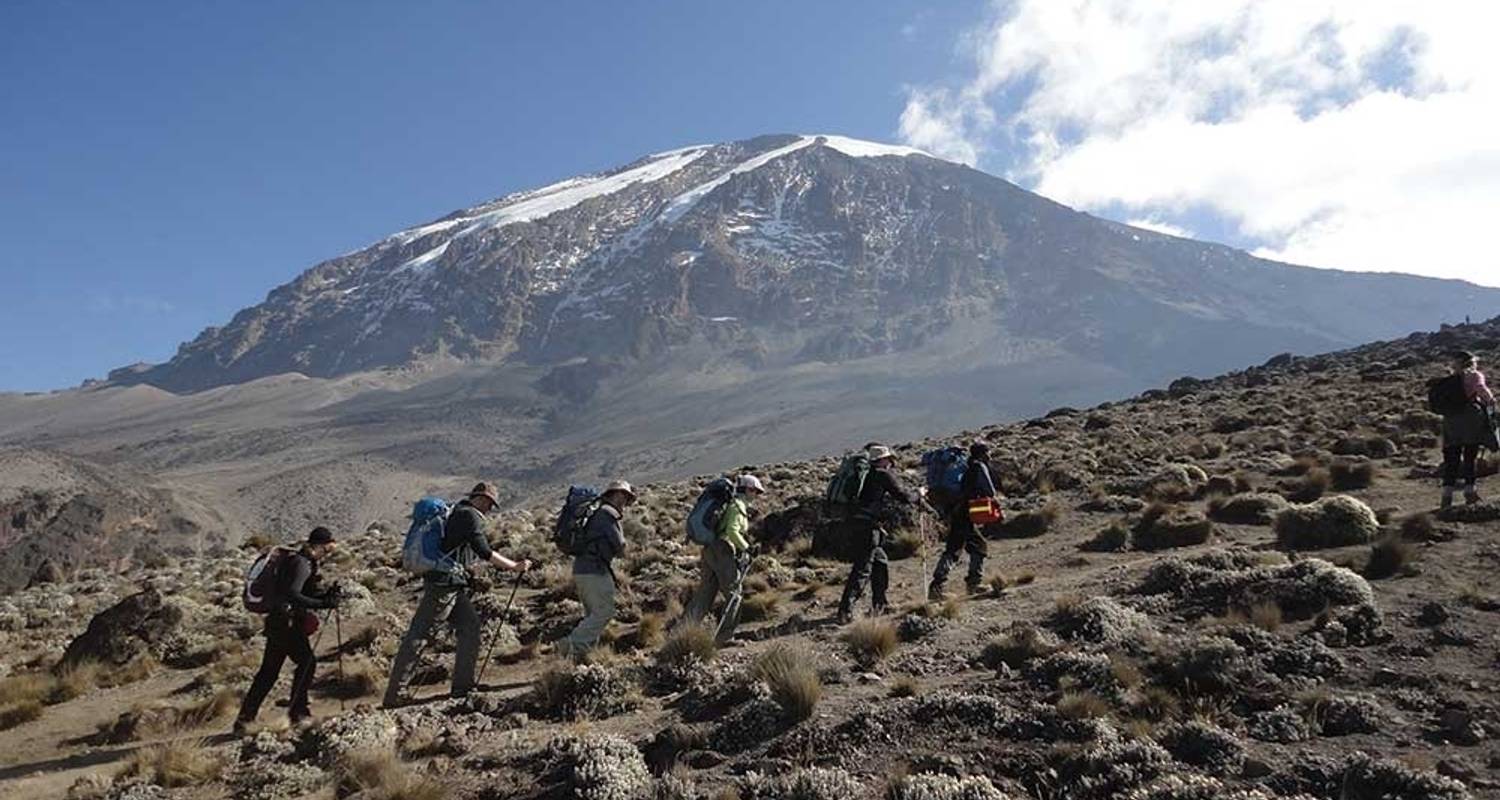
[{"x": 842, "y": 497}]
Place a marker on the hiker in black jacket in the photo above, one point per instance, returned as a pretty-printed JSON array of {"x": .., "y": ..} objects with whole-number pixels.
[
  {"x": 288, "y": 626},
  {"x": 1468, "y": 428},
  {"x": 962, "y": 535},
  {"x": 870, "y": 563},
  {"x": 464, "y": 539}
]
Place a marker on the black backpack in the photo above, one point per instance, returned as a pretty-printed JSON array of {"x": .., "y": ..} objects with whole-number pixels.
[
  {"x": 573, "y": 519},
  {"x": 1446, "y": 395}
]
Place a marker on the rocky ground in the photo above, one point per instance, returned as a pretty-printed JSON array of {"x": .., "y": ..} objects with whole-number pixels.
[{"x": 1230, "y": 588}]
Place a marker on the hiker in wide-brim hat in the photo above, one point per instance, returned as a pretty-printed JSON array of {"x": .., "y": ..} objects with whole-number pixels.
[
  {"x": 871, "y": 565},
  {"x": 602, "y": 541}
]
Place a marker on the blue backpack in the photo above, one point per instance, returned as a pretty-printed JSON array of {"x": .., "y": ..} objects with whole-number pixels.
[
  {"x": 422, "y": 552},
  {"x": 945, "y": 469},
  {"x": 573, "y": 519},
  {"x": 703, "y": 522}
]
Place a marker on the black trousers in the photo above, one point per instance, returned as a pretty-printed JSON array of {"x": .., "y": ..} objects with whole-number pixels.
[
  {"x": 870, "y": 566},
  {"x": 1458, "y": 462},
  {"x": 284, "y": 639},
  {"x": 963, "y": 537}
]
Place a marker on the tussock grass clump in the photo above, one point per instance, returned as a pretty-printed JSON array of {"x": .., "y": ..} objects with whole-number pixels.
[
  {"x": 1030, "y": 524},
  {"x": 1351, "y": 473},
  {"x": 19, "y": 713},
  {"x": 1082, "y": 705},
  {"x": 904, "y": 686},
  {"x": 360, "y": 678},
  {"x": 27, "y": 687},
  {"x": 792, "y": 679},
  {"x": 952, "y": 608},
  {"x": 1419, "y": 528},
  {"x": 208, "y": 710},
  {"x": 760, "y": 606},
  {"x": 382, "y": 775},
  {"x": 76, "y": 680},
  {"x": 1247, "y": 509},
  {"x": 1022, "y": 644},
  {"x": 1388, "y": 558},
  {"x": 870, "y": 641},
  {"x": 1336, "y": 521},
  {"x": 175, "y": 764},
  {"x": 1163, "y": 527},
  {"x": 903, "y": 545},
  {"x": 650, "y": 631},
  {"x": 1113, "y": 539},
  {"x": 688, "y": 643},
  {"x": 1312, "y": 485}
]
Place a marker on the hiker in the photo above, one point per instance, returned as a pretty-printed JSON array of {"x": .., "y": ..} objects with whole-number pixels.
[
  {"x": 465, "y": 542},
  {"x": 963, "y": 536},
  {"x": 1467, "y": 426},
  {"x": 593, "y": 572},
  {"x": 870, "y": 563},
  {"x": 296, "y": 594},
  {"x": 725, "y": 562}
]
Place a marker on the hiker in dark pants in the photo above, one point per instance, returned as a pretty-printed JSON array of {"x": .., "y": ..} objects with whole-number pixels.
[
  {"x": 870, "y": 562},
  {"x": 962, "y": 535},
  {"x": 725, "y": 562},
  {"x": 1467, "y": 430},
  {"x": 287, "y": 628},
  {"x": 593, "y": 569},
  {"x": 464, "y": 539}
]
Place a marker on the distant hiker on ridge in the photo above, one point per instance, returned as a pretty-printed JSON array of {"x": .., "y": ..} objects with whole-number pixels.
[
  {"x": 465, "y": 543},
  {"x": 963, "y": 536},
  {"x": 593, "y": 568},
  {"x": 725, "y": 561},
  {"x": 870, "y": 562},
  {"x": 292, "y": 595},
  {"x": 1467, "y": 406}
]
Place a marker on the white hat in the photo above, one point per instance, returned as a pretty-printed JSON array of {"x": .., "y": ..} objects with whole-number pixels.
[
  {"x": 621, "y": 486},
  {"x": 749, "y": 483},
  {"x": 880, "y": 451}
]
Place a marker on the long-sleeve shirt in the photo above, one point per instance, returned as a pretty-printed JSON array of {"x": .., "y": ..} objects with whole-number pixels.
[
  {"x": 603, "y": 541},
  {"x": 1476, "y": 389},
  {"x": 298, "y": 582},
  {"x": 880, "y": 484},
  {"x": 734, "y": 524},
  {"x": 463, "y": 534},
  {"x": 977, "y": 481}
]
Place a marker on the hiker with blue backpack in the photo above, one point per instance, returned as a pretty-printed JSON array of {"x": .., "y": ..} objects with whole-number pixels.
[
  {"x": 719, "y": 522},
  {"x": 974, "y": 484},
  {"x": 590, "y": 530},
  {"x": 1467, "y": 405},
  {"x": 283, "y": 584},
  {"x": 442, "y": 546},
  {"x": 862, "y": 486}
]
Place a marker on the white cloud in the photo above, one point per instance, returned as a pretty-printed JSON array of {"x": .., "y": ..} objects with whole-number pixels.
[{"x": 1340, "y": 133}]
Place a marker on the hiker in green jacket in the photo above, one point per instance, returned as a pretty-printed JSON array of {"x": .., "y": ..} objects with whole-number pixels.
[{"x": 725, "y": 562}]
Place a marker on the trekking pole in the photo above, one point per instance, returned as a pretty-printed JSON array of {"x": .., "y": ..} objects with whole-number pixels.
[
  {"x": 922, "y": 551},
  {"x": 496, "y": 635},
  {"x": 338, "y": 633}
]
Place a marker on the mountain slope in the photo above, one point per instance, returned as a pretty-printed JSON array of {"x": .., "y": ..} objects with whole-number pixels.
[{"x": 793, "y": 249}]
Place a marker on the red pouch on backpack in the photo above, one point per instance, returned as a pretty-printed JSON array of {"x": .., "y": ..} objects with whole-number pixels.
[
  {"x": 985, "y": 511},
  {"x": 309, "y": 624}
]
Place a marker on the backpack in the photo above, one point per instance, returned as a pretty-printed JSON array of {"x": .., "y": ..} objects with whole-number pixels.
[
  {"x": 1446, "y": 395},
  {"x": 574, "y": 517},
  {"x": 703, "y": 522},
  {"x": 846, "y": 484},
  {"x": 261, "y": 590},
  {"x": 422, "y": 551},
  {"x": 945, "y": 475}
]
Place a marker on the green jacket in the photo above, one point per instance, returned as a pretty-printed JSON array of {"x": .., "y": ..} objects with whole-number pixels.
[{"x": 734, "y": 524}]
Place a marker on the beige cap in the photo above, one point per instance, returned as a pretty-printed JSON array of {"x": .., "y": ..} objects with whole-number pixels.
[
  {"x": 750, "y": 483},
  {"x": 880, "y": 451},
  {"x": 621, "y": 486},
  {"x": 485, "y": 490}
]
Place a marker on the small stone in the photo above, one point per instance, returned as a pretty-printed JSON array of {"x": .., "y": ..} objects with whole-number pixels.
[
  {"x": 1433, "y": 613},
  {"x": 1456, "y": 768}
]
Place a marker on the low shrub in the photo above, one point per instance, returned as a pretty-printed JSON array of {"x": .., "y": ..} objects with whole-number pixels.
[
  {"x": 1388, "y": 558},
  {"x": 1335, "y": 521},
  {"x": 871, "y": 640},
  {"x": 1167, "y": 527},
  {"x": 687, "y": 643},
  {"x": 1030, "y": 524},
  {"x": 792, "y": 679},
  {"x": 382, "y": 775},
  {"x": 1352, "y": 473},
  {"x": 179, "y": 763}
]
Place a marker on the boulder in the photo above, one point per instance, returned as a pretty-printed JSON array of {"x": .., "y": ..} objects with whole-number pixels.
[{"x": 124, "y": 631}]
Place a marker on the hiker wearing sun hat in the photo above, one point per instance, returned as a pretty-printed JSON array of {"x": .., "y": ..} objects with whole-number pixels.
[
  {"x": 464, "y": 538},
  {"x": 725, "y": 562},
  {"x": 602, "y": 541},
  {"x": 870, "y": 562}
]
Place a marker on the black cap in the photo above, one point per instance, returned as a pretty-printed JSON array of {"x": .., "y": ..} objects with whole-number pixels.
[
  {"x": 1461, "y": 355},
  {"x": 320, "y": 535},
  {"x": 979, "y": 450}
]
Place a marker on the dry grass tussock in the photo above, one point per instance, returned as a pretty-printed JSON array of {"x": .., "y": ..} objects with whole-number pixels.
[
  {"x": 382, "y": 775},
  {"x": 183, "y": 762},
  {"x": 904, "y": 686},
  {"x": 871, "y": 640},
  {"x": 1349, "y": 473},
  {"x": 760, "y": 606},
  {"x": 792, "y": 678},
  {"x": 1029, "y": 524},
  {"x": 688, "y": 642},
  {"x": 1016, "y": 648},
  {"x": 1082, "y": 705},
  {"x": 1389, "y": 557},
  {"x": 360, "y": 678},
  {"x": 19, "y": 713}
]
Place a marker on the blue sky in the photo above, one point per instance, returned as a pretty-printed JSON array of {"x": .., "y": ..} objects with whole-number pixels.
[{"x": 164, "y": 164}]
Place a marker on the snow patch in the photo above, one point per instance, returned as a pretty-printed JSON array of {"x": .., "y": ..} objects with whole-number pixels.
[
  {"x": 683, "y": 203},
  {"x": 422, "y": 263},
  {"x": 859, "y": 148}
]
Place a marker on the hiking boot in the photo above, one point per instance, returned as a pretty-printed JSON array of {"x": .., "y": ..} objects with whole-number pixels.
[
  {"x": 935, "y": 594},
  {"x": 1471, "y": 495},
  {"x": 844, "y": 617},
  {"x": 974, "y": 587},
  {"x": 1447, "y": 501}
]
